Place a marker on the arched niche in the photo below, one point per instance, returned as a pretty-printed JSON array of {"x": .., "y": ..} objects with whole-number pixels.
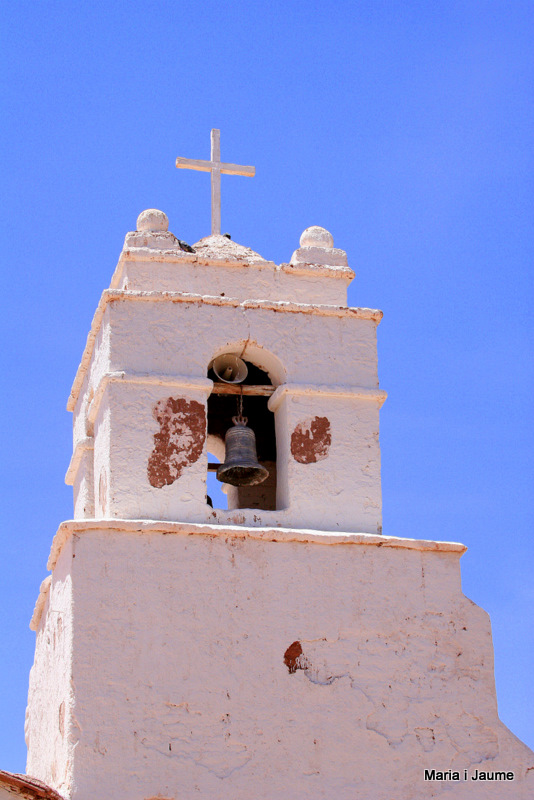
[
  {"x": 265, "y": 373},
  {"x": 258, "y": 356}
]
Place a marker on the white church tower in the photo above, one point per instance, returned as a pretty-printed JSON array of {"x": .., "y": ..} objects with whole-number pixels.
[{"x": 282, "y": 647}]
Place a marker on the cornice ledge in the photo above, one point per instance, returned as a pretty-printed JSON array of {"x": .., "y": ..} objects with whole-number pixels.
[
  {"x": 40, "y": 603},
  {"x": 319, "y": 271},
  {"x": 234, "y": 263},
  {"x": 87, "y": 443},
  {"x": 317, "y": 309},
  {"x": 142, "y": 526},
  {"x": 333, "y": 390},
  {"x": 173, "y": 255},
  {"x": 204, "y": 385},
  {"x": 149, "y": 254},
  {"x": 178, "y": 256}
]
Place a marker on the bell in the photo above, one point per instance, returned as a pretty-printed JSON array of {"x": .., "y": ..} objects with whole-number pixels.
[
  {"x": 230, "y": 369},
  {"x": 241, "y": 466}
]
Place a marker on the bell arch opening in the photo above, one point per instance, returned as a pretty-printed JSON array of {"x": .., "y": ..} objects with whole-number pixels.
[{"x": 250, "y": 397}]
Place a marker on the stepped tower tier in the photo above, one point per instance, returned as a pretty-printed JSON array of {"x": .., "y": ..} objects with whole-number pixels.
[{"x": 146, "y": 411}]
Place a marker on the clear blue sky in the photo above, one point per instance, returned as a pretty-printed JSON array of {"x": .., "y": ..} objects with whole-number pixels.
[{"x": 405, "y": 128}]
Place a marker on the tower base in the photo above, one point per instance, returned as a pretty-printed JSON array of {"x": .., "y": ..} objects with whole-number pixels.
[{"x": 199, "y": 661}]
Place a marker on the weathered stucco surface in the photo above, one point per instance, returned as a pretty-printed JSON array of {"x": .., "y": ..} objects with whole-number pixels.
[
  {"x": 50, "y": 728},
  {"x": 224, "y": 268},
  {"x": 184, "y": 651},
  {"x": 180, "y": 678}
]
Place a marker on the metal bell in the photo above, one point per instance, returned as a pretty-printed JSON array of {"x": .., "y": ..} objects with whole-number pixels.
[{"x": 241, "y": 466}]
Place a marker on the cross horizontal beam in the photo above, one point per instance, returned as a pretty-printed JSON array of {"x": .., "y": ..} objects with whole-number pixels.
[{"x": 207, "y": 166}]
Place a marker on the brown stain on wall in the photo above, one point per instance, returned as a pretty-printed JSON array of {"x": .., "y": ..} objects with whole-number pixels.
[
  {"x": 311, "y": 440},
  {"x": 294, "y": 658},
  {"x": 179, "y": 441}
]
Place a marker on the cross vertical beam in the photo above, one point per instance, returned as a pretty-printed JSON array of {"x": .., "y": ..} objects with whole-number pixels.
[
  {"x": 215, "y": 182},
  {"x": 216, "y": 168}
]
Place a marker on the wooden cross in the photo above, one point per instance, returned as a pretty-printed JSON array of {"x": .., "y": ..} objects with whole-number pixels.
[{"x": 216, "y": 168}]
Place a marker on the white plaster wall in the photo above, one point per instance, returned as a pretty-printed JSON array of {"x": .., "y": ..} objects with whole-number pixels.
[
  {"x": 82, "y": 477},
  {"x": 101, "y": 360},
  {"x": 339, "y": 492},
  {"x": 182, "y": 690},
  {"x": 145, "y": 329},
  {"x": 342, "y": 491},
  {"x": 84, "y": 487},
  {"x": 102, "y": 459},
  {"x": 99, "y": 365},
  {"x": 79, "y": 416},
  {"x": 180, "y": 338},
  {"x": 166, "y": 675},
  {"x": 155, "y": 336},
  {"x": 265, "y": 281},
  {"x": 51, "y": 729},
  {"x": 124, "y": 440},
  {"x": 158, "y": 339}
]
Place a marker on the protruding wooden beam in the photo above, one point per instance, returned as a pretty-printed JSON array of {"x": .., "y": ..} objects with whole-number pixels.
[{"x": 237, "y": 389}]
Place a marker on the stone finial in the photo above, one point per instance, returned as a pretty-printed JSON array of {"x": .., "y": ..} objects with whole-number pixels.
[
  {"x": 317, "y": 248},
  {"x": 152, "y": 220},
  {"x": 153, "y": 232},
  {"x": 317, "y": 237}
]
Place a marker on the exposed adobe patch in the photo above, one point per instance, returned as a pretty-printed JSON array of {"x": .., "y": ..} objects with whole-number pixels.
[
  {"x": 294, "y": 658},
  {"x": 311, "y": 440},
  {"x": 179, "y": 441}
]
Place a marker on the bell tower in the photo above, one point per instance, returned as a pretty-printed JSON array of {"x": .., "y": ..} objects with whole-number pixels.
[
  {"x": 282, "y": 647},
  {"x": 148, "y": 406}
]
